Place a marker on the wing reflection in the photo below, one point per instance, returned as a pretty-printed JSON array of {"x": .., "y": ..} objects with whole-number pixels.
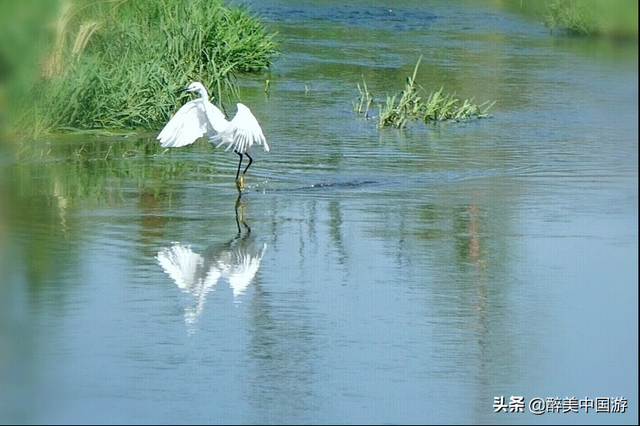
[
  {"x": 236, "y": 261},
  {"x": 191, "y": 272},
  {"x": 239, "y": 261}
]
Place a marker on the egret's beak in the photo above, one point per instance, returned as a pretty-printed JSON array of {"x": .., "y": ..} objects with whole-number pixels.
[{"x": 182, "y": 90}]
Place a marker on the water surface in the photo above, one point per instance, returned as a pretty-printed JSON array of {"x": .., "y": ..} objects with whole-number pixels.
[{"x": 365, "y": 276}]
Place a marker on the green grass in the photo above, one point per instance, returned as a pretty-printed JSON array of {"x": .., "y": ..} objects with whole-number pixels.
[
  {"x": 573, "y": 16},
  {"x": 616, "y": 19},
  {"x": 362, "y": 105},
  {"x": 411, "y": 105},
  {"x": 116, "y": 64}
]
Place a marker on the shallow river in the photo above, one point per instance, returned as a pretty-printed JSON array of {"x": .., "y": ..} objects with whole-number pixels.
[{"x": 365, "y": 276}]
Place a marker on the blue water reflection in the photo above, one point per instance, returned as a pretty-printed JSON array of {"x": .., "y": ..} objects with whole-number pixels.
[{"x": 236, "y": 262}]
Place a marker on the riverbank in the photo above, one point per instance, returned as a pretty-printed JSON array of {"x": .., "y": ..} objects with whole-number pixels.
[{"x": 116, "y": 65}]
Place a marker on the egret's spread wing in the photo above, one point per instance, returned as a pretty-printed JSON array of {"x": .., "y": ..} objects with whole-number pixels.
[
  {"x": 188, "y": 124},
  {"x": 242, "y": 132}
]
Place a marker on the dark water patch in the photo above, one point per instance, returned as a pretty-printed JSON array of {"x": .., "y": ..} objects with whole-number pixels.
[
  {"x": 388, "y": 181},
  {"x": 353, "y": 14}
]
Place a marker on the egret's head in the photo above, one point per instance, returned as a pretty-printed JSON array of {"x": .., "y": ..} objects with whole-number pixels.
[{"x": 196, "y": 86}]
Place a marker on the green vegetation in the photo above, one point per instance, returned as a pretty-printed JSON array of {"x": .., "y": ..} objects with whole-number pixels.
[
  {"x": 116, "y": 64},
  {"x": 617, "y": 19},
  {"x": 363, "y": 104},
  {"x": 575, "y": 17},
  {"x": 409, "y": 105}
]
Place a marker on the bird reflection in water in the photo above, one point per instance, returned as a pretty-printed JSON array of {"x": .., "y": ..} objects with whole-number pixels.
[{"x": 236, "y": 261}]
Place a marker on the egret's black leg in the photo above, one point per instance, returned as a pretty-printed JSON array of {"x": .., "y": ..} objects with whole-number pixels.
[
  {"x": 250, "y": 161},
  {"x": 239, "y": 164}
]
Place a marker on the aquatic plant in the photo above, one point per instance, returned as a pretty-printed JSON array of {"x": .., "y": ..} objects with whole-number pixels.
[
  {"x": 617, "y": 19},
  {"x": 365, "y": 98},
  {"x": 115, "y": 65},
  {"x": 574, "y": 16},
  {"x": 409, "y": 105}
]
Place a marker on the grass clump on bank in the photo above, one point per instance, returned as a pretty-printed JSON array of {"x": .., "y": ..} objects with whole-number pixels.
[
  {"x": 410, "y": 105},
  {"x": 116, "y": 64},
  {"x": 616, "y": 19}
]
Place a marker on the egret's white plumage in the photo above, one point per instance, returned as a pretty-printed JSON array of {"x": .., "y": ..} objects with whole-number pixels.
[
  {"x": 242, "y": 132},
  {"x": 193, "y": 120},
  {"x": 199, "y": 117}
]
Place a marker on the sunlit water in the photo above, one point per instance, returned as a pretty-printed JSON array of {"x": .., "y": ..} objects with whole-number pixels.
[{"x": 366, "y": 276}]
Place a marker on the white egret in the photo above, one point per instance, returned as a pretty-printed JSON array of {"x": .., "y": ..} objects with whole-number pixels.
[{"x": 200, "y": 117}]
